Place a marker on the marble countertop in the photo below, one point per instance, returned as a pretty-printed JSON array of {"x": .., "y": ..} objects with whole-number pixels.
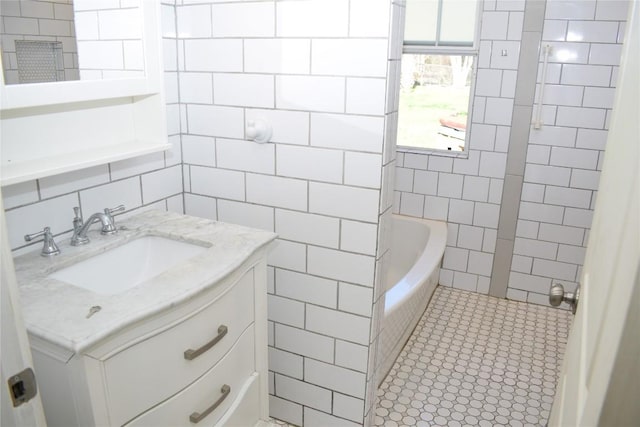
[{"x": 57, "y": 311}]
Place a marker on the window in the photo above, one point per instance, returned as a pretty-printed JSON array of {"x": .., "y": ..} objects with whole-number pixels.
[{"x": 438, "y": 69}]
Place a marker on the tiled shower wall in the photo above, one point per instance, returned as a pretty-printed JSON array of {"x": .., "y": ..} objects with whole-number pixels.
[
  {"x": 562, "y": 160},
  {"x": 316, "y": 71},
  {"x": 151, "y": 181},
  {"x": 467, "y": 192},
  {"x": 564, "y": 157}
]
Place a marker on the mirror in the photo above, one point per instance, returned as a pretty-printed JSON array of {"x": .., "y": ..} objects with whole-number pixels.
[
  {"x": 117, "y": 112},
  {"x": 65, "y": 40}
]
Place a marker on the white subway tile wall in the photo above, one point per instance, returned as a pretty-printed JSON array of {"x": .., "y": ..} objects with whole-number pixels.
[
  {"x": 562, "y": 159},
  {"x": 109, "y": 39},
  {"x": 466, "y": 192},
  {"x": 316, "y": 70},
  {"x": 326, "y": 182},
  {"x": 552, "y": 232}
]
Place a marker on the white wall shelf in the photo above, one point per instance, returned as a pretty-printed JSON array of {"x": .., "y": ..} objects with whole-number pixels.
[{"x": 14, "y": 173}]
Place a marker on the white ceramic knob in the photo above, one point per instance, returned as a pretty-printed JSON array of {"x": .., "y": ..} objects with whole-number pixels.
[{"x": 259, "y": 131}]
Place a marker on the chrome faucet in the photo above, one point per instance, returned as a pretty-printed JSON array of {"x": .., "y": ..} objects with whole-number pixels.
[{"x": 80, "y": 227}]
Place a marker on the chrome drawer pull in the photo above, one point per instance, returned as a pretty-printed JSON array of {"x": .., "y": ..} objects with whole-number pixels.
[
  {"x": 192, "y": 354},
  {"x": 196, "y": 417}
]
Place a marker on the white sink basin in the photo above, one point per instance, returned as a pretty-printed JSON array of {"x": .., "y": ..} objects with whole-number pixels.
[{"x": 127, "y": 266}]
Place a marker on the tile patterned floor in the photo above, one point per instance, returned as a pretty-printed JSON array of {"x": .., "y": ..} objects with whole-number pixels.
[{"x": 476, "y": 360}]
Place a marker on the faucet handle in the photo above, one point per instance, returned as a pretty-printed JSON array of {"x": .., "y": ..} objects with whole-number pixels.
[
  {"x": 30, "y": 237},
  {"x": 110, "y": 211},
  {"x": 110, "y": 228},
  {"x": 49, "y": 247}
]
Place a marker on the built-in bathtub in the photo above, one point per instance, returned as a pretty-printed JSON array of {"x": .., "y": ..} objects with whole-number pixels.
[{"x": 417, "y": 247}]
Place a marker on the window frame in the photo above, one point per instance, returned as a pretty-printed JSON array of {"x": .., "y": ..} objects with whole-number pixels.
[{"x": 451, "y": 49}]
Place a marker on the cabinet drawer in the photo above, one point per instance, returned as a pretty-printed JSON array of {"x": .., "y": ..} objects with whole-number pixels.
[
  {"x": 152, "y": 370},
  {"x": 235, "y": 370}
]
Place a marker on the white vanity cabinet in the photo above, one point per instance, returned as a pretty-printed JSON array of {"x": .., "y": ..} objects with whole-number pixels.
[{"x": 199, "y": 362}]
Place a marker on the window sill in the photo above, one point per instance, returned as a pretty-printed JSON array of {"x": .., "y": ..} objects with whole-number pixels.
[{"x": 433, "y": 152}]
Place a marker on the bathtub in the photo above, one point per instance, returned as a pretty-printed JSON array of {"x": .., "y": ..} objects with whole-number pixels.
[{"x": 417, "y": 247}]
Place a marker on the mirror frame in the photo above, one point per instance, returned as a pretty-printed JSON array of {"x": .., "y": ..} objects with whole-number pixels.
[{"x": 51, "y": 93}]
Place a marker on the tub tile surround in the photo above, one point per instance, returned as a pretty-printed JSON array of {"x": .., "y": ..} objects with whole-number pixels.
[
  {"x": 519, "y": 208},
  {"x": 467, "y": 192}
]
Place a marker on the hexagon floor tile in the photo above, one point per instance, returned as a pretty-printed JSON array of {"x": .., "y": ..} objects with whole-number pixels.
[{"x": 476, "y": 360}]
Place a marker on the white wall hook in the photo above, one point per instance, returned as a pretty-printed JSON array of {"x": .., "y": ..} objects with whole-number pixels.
[{"x": 259, "y": 130}]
